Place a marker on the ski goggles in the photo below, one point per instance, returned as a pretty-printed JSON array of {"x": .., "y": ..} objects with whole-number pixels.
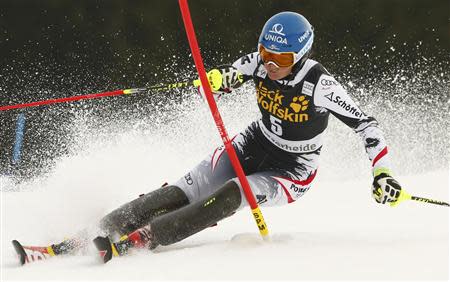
[{"x": 283, "y": 60}]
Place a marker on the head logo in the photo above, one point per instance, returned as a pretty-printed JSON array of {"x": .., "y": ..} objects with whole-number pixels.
[
  {"x": 276, "y": 35},
  {"x": 275, "y": 38},
  {"x": 274, "y": 47},
  {"x": 304, "y": 36},
  {"x": 277, "y": 29}
]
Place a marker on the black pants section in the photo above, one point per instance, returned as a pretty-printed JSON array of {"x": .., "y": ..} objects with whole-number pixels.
[
  {"x": 141, "y": 211},
  {"x": 188, "y": 220}
]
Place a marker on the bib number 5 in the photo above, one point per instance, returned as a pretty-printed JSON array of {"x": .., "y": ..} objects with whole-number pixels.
[{"x": 276, "y": 126}]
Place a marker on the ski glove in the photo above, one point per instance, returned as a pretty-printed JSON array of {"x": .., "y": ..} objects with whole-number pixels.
[
  {"x": 231, "y": 79},
  {"x": 385, "y": 189}
]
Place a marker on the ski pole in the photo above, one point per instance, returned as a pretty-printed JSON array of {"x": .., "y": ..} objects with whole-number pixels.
[
  {"x": 73, "y": 98},
  {"x": 214, "y": 77},
  {"x": 259, "y": 219},
  {"x": 404, "y": 196}
]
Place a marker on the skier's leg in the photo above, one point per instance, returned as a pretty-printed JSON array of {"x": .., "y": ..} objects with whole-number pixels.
[
  {"x": 214, "y": 179},
  {"x": 142, "y": 210},
  {"x": 203, "y": 180},
  {"x": 177, "y": 225},
  {"x": 270, "y": 188},
  {"x": 208, "y": 176},
  {"x": 184, "y": 222},
  {"x": 126, "y": 218}
]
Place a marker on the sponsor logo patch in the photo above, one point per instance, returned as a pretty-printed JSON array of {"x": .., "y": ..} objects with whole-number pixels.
[
  {"x": 308, "y": 88},
  {"x": 188, "y": 179},
  {"x": 276, "y": 35},
  {"x": 304, "y": 36},
  {"x": 292, "y": 190},
  {"x": 277, "y": 29},
  {"x": 272, "y": 102},
  {"x": 327, "y": 82},
  {"x": 275, "y": 38},
  {"x": 341, "y": 103}
]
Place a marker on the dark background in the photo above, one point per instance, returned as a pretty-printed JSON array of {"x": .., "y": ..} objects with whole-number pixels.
[{"x": 55, "y": 48}]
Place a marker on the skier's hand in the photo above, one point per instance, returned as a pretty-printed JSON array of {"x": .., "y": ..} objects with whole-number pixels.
[
  {"x": 385, "y": 189},
  {"x": 231, "y": 79}
]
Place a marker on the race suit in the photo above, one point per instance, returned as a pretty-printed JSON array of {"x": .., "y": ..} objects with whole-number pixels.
[{"x": 279, "y": 152}]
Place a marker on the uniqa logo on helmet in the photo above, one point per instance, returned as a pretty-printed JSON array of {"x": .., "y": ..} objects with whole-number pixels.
[
  {"x": 278, "y": 39},
  {"x": 287, "y": 32},
  {"x": 277, "y": 29},
  {"x": 304, "y": 36},
  {"x": 276, "y": 34}
]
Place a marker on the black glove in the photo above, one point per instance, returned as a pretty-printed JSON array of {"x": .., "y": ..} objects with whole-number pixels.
[{"x": 385, "y": 189}]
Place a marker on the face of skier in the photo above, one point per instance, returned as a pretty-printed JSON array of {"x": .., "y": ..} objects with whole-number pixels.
[
  {"x": 278, "y": 65},
  {"x": 275, "y": 72}
]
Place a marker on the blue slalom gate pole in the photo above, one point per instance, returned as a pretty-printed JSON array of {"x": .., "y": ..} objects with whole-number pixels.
[{"x": 20, "y": 127}]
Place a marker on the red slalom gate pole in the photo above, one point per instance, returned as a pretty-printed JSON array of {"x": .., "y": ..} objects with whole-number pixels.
[
  {"x": 218, "y": 119},
  {"x": 69, "y": 99}
]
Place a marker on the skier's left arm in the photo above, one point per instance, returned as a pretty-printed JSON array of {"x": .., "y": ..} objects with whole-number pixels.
[{"x": 331, "y": 95}]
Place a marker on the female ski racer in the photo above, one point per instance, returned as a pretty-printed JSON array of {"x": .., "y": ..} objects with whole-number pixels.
[{"x": 279, "y": 152}]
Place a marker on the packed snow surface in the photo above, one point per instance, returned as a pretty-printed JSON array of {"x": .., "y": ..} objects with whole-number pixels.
[{"x": 336, "y": 231}]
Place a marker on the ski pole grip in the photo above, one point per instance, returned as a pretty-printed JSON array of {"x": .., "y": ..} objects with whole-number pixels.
[
  {"x": 403, "y": 197},
  {"x": 214, "y": 78}
]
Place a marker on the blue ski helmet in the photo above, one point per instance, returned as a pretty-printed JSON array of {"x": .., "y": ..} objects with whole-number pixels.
[{"x": 287, "y": 32}]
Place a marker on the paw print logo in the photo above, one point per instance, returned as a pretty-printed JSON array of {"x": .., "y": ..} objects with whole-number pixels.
[{"x": 299, "y": 104}]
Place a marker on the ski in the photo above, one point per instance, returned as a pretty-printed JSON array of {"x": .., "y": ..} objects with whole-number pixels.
[{"x": 29, "y": 254}]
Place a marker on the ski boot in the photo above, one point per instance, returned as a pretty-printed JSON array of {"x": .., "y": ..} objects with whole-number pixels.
[{"x": 141, "y": 238}]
